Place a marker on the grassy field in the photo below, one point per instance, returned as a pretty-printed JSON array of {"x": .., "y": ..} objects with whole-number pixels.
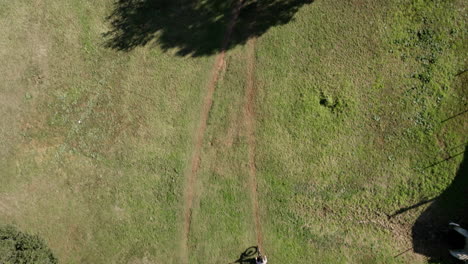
[{"x": 359, "y": 113}]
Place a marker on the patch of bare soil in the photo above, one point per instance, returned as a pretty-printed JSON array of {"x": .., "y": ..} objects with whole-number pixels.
[
  {"x": 191, "y": 176},
  {"x": 249, "y": 122}
]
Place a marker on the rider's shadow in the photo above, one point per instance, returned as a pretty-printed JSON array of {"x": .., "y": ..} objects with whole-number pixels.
[{"x": 248, "y": 256}]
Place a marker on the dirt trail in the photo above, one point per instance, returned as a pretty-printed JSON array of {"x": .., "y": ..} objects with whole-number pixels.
[
  {"x": 249, "y": 114},
  {"x": 191, "y": 175}
]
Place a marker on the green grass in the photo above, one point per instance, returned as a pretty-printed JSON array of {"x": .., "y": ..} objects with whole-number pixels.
[
  {"x": 352, "y": 95},
  {"x": 97, "y": 159},
  {"x": 333, "y": 171}
]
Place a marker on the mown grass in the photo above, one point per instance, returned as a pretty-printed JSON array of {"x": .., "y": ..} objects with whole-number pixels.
[{"x": 352, "y": 108}]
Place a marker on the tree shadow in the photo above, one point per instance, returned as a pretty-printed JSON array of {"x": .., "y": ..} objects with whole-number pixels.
[
  {"x": 194, "y": 28},
  {"x": 430, "y": 231}
]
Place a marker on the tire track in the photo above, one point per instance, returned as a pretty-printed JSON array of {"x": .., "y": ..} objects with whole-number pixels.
[
  {"x": 191, "y": 175},
  {"x": 249, "y": 115}
]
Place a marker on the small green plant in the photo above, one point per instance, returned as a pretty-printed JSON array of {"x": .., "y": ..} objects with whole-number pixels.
[{"x": 334, "y": 105}]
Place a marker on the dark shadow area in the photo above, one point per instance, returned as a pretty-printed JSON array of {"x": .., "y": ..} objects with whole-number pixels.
[
  {"x": 461, "y": 72},
  {"x": 405, "y": 209},
  {"x": 194, "y": 28},
  {"x": 430, "y": 233},
  {"x": 444, "y": 160},
  {"x": 452, "y": 117},
  {"x": 403, "y": 252},
  {"x": 248, "y": 256}
]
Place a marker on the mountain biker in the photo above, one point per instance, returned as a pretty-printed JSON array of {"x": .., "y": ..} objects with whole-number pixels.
[{"x": 261, "y": 259}]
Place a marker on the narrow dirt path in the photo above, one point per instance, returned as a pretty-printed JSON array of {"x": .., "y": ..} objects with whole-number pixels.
[
  {"x": 249, "y": 115},
  {"x": 191, "y": 174}
]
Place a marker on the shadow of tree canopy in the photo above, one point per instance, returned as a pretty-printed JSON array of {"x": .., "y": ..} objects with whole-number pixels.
[
  {"x": 431, "y": 231},
  {"x": 194, "y": 28}
]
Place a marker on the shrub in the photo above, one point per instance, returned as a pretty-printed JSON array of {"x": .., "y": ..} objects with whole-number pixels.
[{"x": 20, "y": 248}]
